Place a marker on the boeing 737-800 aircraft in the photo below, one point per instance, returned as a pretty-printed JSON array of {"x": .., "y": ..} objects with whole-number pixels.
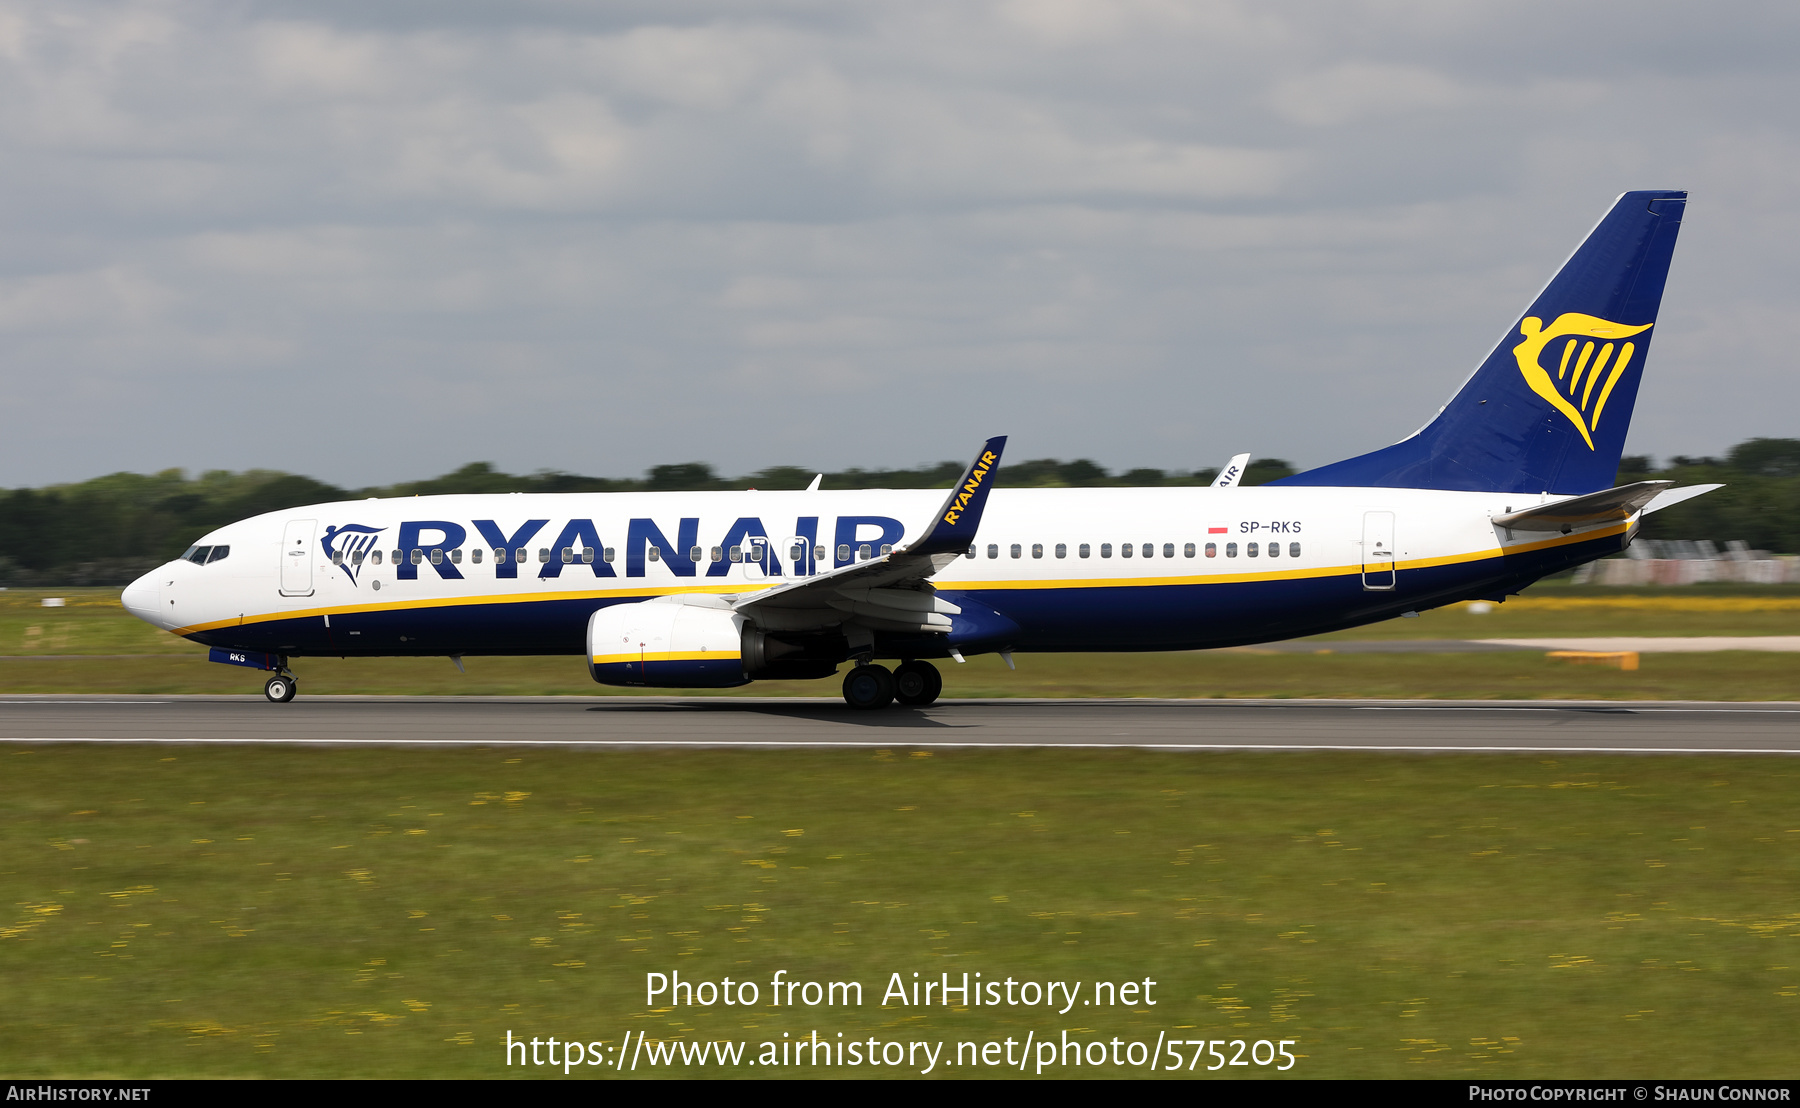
[{"x": 1510, "y": 481}]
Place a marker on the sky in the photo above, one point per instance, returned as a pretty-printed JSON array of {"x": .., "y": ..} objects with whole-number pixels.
[{"x": 373, "y": 242}]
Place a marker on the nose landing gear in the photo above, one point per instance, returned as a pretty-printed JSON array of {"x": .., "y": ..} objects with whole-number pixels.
[{"x": 281, "y": 688}]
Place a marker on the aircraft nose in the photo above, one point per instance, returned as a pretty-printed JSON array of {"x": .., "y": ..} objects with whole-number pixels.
[{"x": 140, "y": 598}]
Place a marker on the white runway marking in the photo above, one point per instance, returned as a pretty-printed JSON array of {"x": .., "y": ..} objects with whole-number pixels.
[
  {"x": 1697, "y": 644},
  {"x": 1636, "y": 711},
  {"x": 779, "y": 744}
]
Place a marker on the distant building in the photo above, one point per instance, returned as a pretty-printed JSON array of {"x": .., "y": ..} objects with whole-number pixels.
[{"x": 1690, "y": 562}]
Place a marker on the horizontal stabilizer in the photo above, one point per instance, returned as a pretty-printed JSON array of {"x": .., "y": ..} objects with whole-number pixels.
[
  {"x": 1668, "y": 498},
  {"x": 1605, "y": 506}
]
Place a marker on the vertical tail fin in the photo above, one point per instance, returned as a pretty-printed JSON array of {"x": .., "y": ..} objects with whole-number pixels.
[{"x": 1549, "y": 408}]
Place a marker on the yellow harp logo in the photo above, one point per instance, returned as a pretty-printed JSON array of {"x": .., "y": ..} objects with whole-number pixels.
[{"x": 1574, "y": 392}]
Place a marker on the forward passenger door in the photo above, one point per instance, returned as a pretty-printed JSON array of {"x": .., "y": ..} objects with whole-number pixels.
[{"x": 296, "y": 557}]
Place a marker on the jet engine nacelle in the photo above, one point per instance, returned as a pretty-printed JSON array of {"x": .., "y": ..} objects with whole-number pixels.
[{"x": 669, "y": 643}]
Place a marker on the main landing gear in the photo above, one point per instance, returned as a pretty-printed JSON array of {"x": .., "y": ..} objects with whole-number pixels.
[
  {"x": 914, "y": 684},
  {"x": 281, "y": 688}
]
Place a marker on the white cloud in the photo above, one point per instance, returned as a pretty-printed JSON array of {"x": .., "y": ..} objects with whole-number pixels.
[{"x": 1144, "y": 231}]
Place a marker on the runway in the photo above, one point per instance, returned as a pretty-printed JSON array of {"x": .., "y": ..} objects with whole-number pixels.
[{"x": 1411, "y": 726}]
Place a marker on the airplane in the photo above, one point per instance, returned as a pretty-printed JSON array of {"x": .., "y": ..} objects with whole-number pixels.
[{"x": 1510, "y": 481}]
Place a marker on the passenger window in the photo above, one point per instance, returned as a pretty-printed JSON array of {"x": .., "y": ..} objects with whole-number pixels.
[
  {"x": 1168, "y": 550},
  {"x": 654, "y": 552},
  {"x": 1062, "y": 550},
  {"x": 1017, "y": 550},
  {"x": 437, "y": 555},
  {"x": 1106, "y": 550},
  {"x": 1212, "y": 550},
  {"x": 1149, "y": 550},
  {"x": 993, "y": 550},
  {"x": 1083, "y": 551},
  {"x": 1231, "y": 550},
  {"x": 356, "y": 558},
  {"x": 337, "y": 557},
  {"x": 798, "y": 552},
  {"x": 863, "y": 552},
  {"x": 718, "y": 554},
  {"x": 499, "y": 555},
  {"x": 758, "y": 552},
  {"x": 587, "y": 555},
  {"x": 396, "y": 557},
  {"x": 971, "y": 550},
  {"x": 1188, "y": 550},
  {"x": 456, "y": 556},
  {"x": 819, "y": 553},
  {"x": 567, "y": 554},
  {"x": 519, "y": 555},
  {"x": 1037, "y": 550},
  {"x": 475, "y": 555},
  {"x": 607, "y": 553},
  {"x": 1274, "y": 550},
  {"x": 417, "y": 557},
  {"x": 1125, "y": 550},
  {"x": 737, "y": 553},
  {"x": 694, "y": 554},
  {"x": 376, "y": 557},
  {"x": 886, "y": 549},
  {"x": 1250, "y": 550},
  {"x": 544, "y": 553},
  {"x": 843, "y": 552},
  {"x": 1293, "y": 550}
]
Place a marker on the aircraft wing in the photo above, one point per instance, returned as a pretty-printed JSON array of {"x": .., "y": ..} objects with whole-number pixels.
[
  {"x": 884, "y": 592},
  {"x": 1605, "y": 506}
]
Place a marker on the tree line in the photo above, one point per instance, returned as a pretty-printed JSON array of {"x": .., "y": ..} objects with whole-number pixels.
[{"x": 109, "y": 530}]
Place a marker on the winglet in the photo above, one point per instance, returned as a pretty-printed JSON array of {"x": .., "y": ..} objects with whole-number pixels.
[
  {"x": 1233, "y": 472},
  {"x": 956, "y": 522}
]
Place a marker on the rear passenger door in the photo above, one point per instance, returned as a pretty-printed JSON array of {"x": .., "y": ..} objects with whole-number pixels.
[{"x": 1378, "y": 551}]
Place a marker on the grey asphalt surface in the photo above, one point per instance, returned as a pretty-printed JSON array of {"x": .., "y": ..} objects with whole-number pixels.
[{"x": 1294, "y": 725}]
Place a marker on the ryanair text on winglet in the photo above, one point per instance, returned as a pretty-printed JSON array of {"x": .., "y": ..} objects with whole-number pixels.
[{"x": 976, "y": 475}]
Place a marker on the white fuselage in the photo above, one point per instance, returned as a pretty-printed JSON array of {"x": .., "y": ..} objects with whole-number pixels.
[{"x": 1095, "y": 568}]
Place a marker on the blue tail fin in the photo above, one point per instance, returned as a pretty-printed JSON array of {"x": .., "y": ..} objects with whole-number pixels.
[{"x": 1548, "y": 410}]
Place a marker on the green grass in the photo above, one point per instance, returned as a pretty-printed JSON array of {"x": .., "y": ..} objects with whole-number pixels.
[
  {"x": 92, "y": 645},
  {"x": 1500, "y": 676},
  {"x": 1581, "y": 613},
  {"x": 92, "y": 622},
  {"x": 310, "y": 913}
]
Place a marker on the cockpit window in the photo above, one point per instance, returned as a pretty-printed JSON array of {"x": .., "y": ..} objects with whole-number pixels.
[
  {"x": 219, "y": 554},
  {"x": 197, "y": 554}
]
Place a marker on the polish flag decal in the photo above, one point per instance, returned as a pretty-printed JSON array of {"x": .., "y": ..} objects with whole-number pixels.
[{"x": 1217, "y": 529}]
